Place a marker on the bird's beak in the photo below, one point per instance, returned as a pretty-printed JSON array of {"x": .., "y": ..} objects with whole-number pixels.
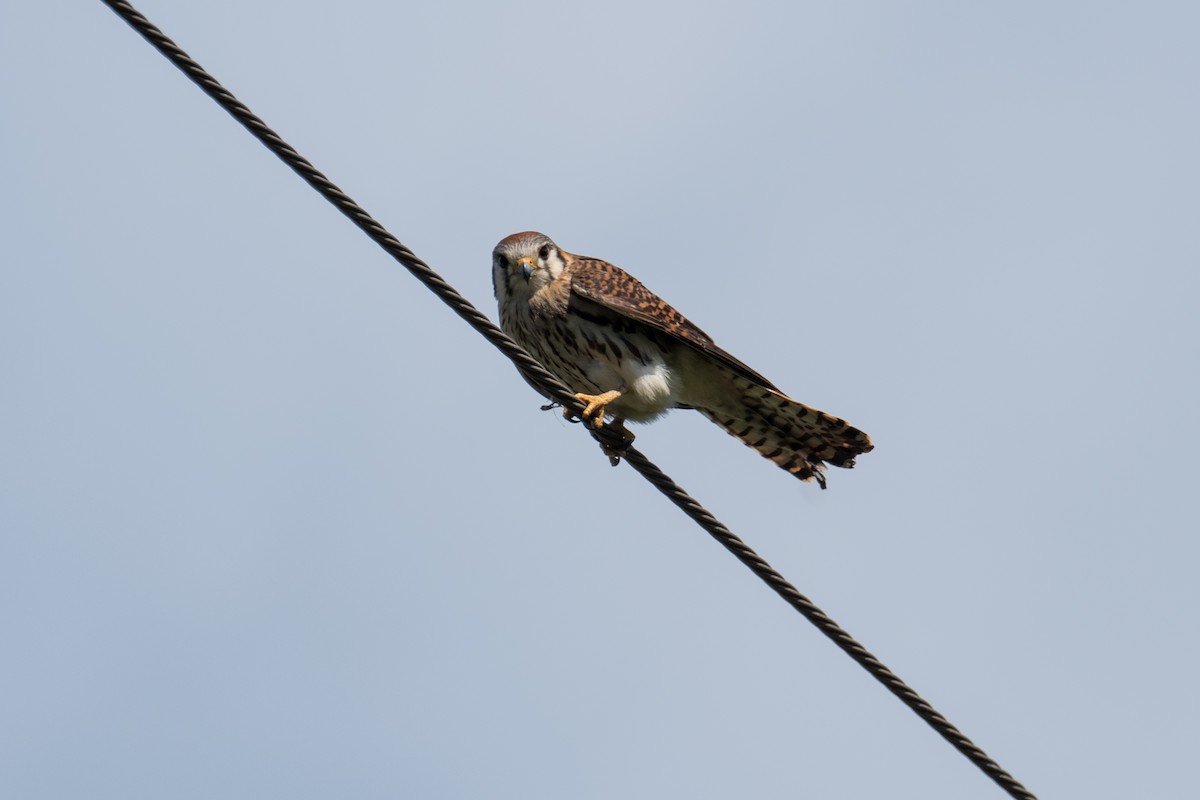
[{"x": 526, "y": 267}]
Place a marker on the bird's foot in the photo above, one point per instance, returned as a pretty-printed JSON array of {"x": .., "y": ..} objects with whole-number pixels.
[
  {"x": 593, "y": 406},
  {"x": 614, "y": 453}
]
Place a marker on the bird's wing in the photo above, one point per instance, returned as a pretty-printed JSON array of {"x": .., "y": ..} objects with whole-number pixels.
[{"x": 616, "y": 290}]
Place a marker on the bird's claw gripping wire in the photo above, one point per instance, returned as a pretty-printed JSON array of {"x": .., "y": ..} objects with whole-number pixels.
[
  {"x": 615, "y": 452},
  {"x": 595, "y": 421},
  {"x": 594, "y": 406}
]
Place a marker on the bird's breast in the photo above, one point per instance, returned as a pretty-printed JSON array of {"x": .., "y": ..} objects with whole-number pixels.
[{"x": 594, "y": 353}]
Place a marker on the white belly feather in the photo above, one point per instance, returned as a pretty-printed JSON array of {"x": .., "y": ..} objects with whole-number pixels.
[{"x": 647, "y": 389}]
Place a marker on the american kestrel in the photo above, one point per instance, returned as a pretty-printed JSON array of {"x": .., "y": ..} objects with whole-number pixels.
[{"x": 629, "y": 354}]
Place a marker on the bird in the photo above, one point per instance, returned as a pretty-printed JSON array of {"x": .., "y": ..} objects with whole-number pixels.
[{"x": 627, "y": 354}]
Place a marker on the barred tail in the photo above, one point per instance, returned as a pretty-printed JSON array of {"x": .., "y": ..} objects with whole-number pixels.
[{"x": 799, "y": 439}]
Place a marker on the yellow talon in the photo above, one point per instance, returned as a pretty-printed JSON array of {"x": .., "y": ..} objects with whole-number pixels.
[{"x": 594, "y": 404}]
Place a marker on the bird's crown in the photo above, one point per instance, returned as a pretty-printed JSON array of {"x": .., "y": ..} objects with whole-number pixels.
[{"x": 523, "y": 242}]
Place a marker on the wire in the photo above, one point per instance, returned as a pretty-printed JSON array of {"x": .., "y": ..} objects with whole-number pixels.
[{"x": 553, "y": 388}]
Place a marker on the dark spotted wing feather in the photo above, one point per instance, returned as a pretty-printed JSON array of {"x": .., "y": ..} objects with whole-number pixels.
[{"x": 616, "y": 290}]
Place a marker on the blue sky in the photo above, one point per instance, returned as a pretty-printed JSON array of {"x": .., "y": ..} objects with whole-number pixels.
[{"x": 274, "y": 522}]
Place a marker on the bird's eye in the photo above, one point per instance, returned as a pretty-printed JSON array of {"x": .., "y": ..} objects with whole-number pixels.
[
  {"x": 500, "y": 262},
  {"x": 544, "y": 252}
]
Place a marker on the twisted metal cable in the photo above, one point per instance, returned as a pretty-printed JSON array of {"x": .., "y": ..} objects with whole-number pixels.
[{"x": 554, "y": 389}]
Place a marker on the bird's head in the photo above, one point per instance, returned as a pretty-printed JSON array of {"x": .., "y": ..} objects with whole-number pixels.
[{"x": 524, "y": 263}]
